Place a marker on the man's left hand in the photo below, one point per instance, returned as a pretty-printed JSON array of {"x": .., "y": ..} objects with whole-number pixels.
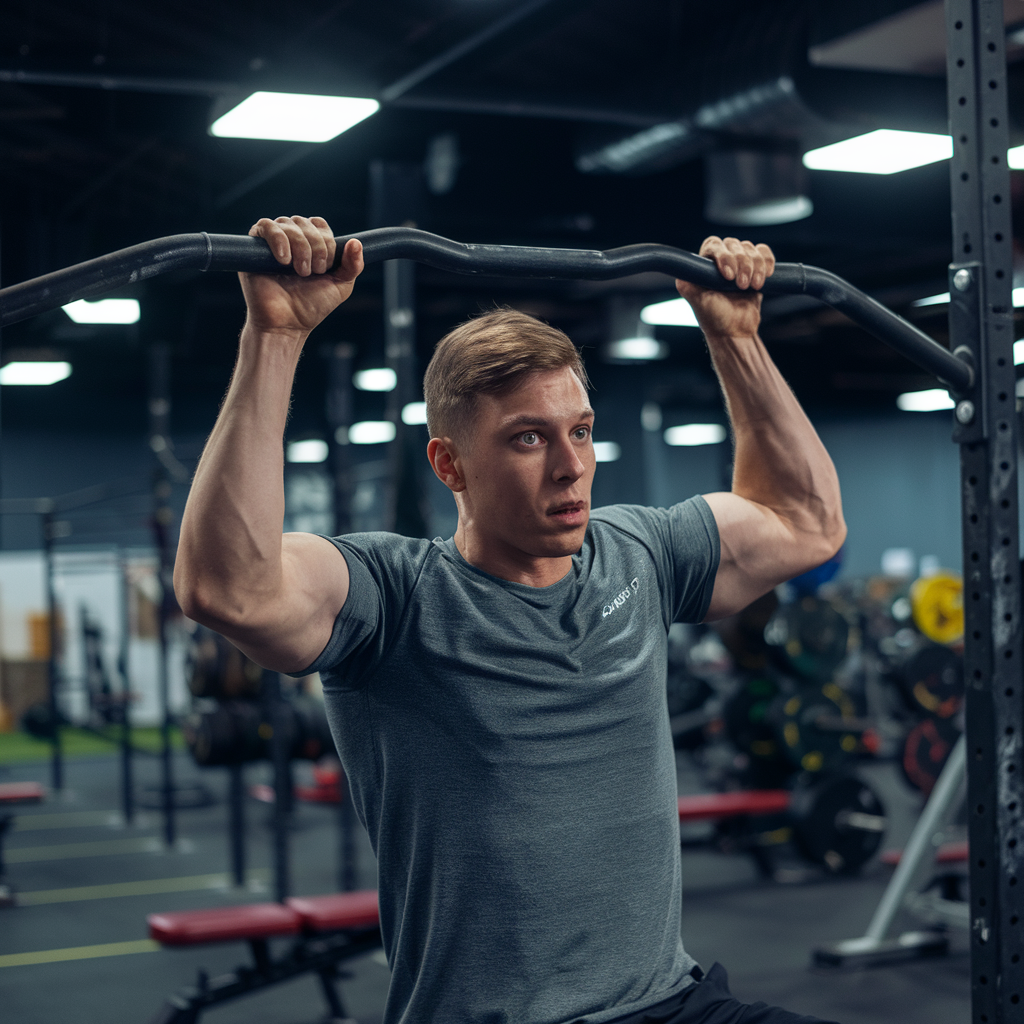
[{"x": 731, "y": 314}]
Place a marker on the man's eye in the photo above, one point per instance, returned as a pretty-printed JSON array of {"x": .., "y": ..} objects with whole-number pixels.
[
  {"x": 529, "y": 438},
  {"x": 582, "y": 433}
]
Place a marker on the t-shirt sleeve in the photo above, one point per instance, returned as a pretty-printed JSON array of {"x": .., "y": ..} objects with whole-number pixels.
[
  {"x": 684, "y": 545},
  {"x": 382, "y": 569}
]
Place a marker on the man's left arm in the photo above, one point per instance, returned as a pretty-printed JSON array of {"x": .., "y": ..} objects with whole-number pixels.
[{"x": 784, "y": 514}]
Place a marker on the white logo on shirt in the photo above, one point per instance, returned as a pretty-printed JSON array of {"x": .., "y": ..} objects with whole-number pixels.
[{"x": 621, "y": 598}]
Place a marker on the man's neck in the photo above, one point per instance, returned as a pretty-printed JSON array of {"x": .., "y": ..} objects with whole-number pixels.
[{"x": 499, "y": 559}]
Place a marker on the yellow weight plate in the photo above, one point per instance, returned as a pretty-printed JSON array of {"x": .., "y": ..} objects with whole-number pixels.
[{"x": 938, "y": 607}]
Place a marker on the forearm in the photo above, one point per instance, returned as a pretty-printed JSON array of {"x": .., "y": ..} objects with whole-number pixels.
[
  {"x": 779, "y": 462},
  {"x": 229, "y": 564}
]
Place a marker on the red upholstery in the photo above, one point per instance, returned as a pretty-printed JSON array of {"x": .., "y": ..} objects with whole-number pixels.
[
  {"x": 948, "y": 853},
  {"x": 714, "y": 806},
  {"x": 337, "y": 912},
  {"x": 21, "y": 792},
  {"x": 223, "y": 924}
]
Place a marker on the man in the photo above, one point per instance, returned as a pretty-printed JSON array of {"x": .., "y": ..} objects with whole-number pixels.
[{"x": 498, "y": 699}]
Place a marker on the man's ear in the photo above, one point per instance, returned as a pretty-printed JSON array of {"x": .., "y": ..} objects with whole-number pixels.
[{"x": 445, "y": 463}]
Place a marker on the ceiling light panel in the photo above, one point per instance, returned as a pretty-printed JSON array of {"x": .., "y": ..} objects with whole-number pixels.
[
  {"x": 884, "y": 151},
  {"x": 671, "y": 313},
  {"x": 104, "y": 311},
  {"x": 692, "y": 434},
  {"x": 930, "y": 400},
  {"x": 293, "y": 117},
  {"x": 37, "y": 373}
]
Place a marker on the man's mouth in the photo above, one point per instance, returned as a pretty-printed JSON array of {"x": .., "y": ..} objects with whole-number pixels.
[{"x": 570, "y": 511}]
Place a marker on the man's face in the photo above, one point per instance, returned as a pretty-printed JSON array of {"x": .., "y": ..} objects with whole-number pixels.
[{"x": 528, "y": 467}]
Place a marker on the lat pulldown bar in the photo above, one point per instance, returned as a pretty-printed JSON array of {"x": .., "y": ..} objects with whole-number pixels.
[{"x": 202, "y": 251}]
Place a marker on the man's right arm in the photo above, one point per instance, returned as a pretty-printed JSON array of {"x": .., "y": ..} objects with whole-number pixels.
[{"x": 274, "y": 595}]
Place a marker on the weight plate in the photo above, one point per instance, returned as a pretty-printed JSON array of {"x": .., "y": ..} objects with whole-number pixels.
[
  {"x": 838, "y": 822},
  {"x": 932, "y": 679},
  {"x": 925, "y": 751},
  {"x": 938, "y": 607},
  {"x": 215, "y": 668},
  {"x": 819, "y": 729},
  {"x": 810, "y": 637},
  {"x": 749, "y": 727}
]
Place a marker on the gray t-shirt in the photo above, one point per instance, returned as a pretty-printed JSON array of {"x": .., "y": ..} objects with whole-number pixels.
[{"x": 508, "y": 750}]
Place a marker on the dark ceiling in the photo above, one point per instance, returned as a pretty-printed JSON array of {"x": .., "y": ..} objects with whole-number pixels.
[{"x": 104, "y": 108}]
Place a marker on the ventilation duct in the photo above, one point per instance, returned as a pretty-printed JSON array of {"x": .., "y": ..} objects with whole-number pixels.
[{"x": 752, "y": 187}]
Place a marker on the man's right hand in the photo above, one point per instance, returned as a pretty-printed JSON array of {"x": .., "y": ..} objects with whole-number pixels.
[{"x": 279, "y": 303}]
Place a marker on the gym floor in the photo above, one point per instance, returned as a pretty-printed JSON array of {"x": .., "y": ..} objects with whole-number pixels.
[{"x": 75, "y": 895}]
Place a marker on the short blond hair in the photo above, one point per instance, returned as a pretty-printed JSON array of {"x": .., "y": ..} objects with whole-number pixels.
[{"x": 492, "y": 354}]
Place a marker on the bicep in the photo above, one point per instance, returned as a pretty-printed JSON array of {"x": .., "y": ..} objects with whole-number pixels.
[
  {"x": 759, "y": 550},
  {"x": 314, "y": 588}
]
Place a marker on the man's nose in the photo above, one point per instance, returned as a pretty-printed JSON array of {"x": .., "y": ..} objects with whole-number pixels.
[{"x": 568, "y": 464}]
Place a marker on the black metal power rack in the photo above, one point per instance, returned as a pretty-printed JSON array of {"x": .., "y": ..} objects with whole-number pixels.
[{"x": 981, "y": 319}]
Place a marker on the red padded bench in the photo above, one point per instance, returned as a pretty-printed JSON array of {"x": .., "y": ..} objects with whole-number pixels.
[
  {"x": 325, "y": 930},
  {"x": 21, "y": 792},
  {"x": 948, "y": 853},
  {"x": 11, "y": 794},
  {"x": 734, "y": 804}
]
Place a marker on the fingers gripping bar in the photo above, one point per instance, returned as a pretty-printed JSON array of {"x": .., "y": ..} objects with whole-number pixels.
[{"x": 202, "y": 251}]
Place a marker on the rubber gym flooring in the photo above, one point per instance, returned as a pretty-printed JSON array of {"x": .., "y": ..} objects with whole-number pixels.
[{"x": 75, "y": 950}]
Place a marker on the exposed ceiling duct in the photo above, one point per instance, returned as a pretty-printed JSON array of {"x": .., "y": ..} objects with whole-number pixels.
[
  {"x": 809, "y": 106},
  {"x": 876, "y": 76}
]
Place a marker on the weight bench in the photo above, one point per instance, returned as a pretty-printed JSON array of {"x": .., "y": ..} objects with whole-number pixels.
[
  {"x": 325, "y": 931},
  {"x": 12, "y": 793},
  {"x": 834, "y": 822},
  {"x": 731, "y": 812}
]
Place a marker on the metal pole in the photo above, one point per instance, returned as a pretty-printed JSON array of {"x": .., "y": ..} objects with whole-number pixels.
[
  {"x": 915, "y": 856},
  {"x": 53, "y": 676},
  {"x": 236, "y": 800},
  {"x": 981, "y": 320},
  {"x": 127, "y": 774},
  {"x": 338, "y": 407},
  {"x": 159, "y": 415},
  {"x": 279, "y": 754}
]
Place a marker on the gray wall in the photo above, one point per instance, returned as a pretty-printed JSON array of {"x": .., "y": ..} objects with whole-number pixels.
[{"x": 899, "y": 475}]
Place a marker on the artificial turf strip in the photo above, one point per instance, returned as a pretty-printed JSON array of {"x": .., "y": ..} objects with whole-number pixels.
[{"x": 18, "y": 747}]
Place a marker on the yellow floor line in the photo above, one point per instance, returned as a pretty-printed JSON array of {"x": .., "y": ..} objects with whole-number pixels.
[
  {"x": 148, "y": 887},
  {"x": 100, "y": 848},
  {"x": 69, "y": 819},
  {"x": 52, "y": 956}
]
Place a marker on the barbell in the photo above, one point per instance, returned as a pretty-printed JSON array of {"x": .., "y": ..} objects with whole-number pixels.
[{"x": 203, "y": 251}]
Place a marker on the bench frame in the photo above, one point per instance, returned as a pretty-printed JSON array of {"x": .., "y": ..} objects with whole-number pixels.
[{"x": 320, "y": 953}]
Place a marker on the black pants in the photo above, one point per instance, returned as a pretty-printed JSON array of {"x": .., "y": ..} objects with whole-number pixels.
[{"x": 711, "y": 1002}]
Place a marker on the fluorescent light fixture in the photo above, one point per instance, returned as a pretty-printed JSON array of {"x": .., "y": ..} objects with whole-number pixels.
[
  {"x": 1015, "y": 158},
  {"x": 925, "y": 401},
  {"x": 103, "y": 311},
  {"x": 884, "y": 151},
  {"x": 371, "y": 432},
  {"x": 637, "y": 348},
  {"x": 34, "y": 373},
  {"x": 672, "y": 312},
  {"x": 938, "y": 300},
  {"x": 382, "y": 379},
  {"x": 772, "y": 211},
  {"x": 932, "y": 300},
  {"x": 307, "y": 451},
  {"x": 1018, "y": 352},
  {"x": 292, "y": 117},
  {"x": 606, "y": 451},
  {"x": 414, "y": 413},
  {"x": 690, "y": 434}
]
